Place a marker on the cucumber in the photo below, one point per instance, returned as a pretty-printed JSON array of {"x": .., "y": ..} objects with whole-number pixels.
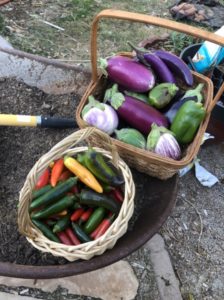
[{"x": 55, "y": 193}]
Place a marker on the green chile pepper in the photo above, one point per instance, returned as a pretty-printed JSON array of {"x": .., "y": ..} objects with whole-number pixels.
[
  {"x": 94, "y": 220},
  {"x": 91, "y": 198},
  {"x": 62, "y": 224},
  {"x": 187, "y": 121},
  {"x": 82, "y": 236},
  {"x": 45, "y": 229},
  {"x": 98, "y": 165}
]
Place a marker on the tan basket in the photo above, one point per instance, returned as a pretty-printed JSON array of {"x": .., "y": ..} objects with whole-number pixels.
[
  {"x": 142, "y": 160},
  {"x": 115, "y": 231}
]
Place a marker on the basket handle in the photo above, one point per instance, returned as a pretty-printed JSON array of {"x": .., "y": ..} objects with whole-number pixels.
[
  {"x": 130, "y": 16},
  {"x": 83, "y": 134},
  {"x": 216, "y": 98}
]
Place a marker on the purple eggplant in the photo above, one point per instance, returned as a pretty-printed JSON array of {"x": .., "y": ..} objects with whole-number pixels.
[
  {"x": 158, "y": 66},
  {"x": 194, "y": 94},
  {"x": 128, "y": 73},
  {"x": 136, "y": 113},
  {"x": 176, "y": 65}
]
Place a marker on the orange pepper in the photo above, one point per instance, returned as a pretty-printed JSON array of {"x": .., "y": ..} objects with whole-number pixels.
[
  {"x": 60, "y": 214},
  {"x": 56, "y": 171},
  {"x": 82, "y": 173}
]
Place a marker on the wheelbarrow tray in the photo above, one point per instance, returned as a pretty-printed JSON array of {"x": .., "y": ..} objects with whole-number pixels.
[{"x": 150, "y": 214}]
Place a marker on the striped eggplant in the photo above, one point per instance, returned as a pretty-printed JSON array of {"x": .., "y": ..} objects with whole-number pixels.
[{"x": 128, "y": 73}]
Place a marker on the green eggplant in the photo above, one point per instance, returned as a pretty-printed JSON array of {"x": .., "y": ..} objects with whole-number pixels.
[
  {"x": 131, "y": 136},
  {"x": 162, "y": 94}
]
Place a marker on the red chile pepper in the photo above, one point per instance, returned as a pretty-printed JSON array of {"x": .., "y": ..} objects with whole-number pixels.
[
  {"x": 77, "y": 214},
  {"x": 104, "y": 225},
  {"x": 95, "y": 232},
  {"x": 70, "y": 233},
  {"x": 57, "y": 171},
  {"x": 85, "y": 216},
  {"x": 64, "y": 238},
  {"x": 65, "y": 175},
  {"x": 43, "y": 179},
  {"x": 74, "y": 189},
  {"x": 118, "y": 194}
]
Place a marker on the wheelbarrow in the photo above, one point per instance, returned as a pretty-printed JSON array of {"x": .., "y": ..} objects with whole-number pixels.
[{"x": 152, "y": 213}]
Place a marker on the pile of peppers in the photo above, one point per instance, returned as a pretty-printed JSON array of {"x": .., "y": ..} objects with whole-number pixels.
[{"x": 76, "y": 199}]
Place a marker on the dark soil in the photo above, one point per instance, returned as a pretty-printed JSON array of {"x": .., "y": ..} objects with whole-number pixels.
[{"x": 20, "y": 148}]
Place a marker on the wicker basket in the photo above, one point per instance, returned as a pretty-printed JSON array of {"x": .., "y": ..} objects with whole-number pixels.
[
  {"x": 142, "y": 160},
  {"x": 115, "y": 231}
]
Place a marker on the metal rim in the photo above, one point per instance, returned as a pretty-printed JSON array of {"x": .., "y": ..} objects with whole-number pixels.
[
  {"x": 3, "y": 2},
  {"x": 123, "y": 248}
]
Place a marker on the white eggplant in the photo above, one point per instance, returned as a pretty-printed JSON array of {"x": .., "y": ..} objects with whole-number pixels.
[
  {"x": 100, "y": 115},
  {"x": 162, "y": 141}
]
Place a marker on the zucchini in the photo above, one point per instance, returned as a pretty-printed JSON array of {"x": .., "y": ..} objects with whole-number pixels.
[
  {"x": 55, "y": 193},
  {"x": 54, "y": 208},
  {"x": 41, "y": 191}
]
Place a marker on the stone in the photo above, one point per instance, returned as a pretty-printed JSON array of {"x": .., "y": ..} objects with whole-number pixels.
[
  {"x": 167, "y": 282},
  {"x": 116, "y": 281}
]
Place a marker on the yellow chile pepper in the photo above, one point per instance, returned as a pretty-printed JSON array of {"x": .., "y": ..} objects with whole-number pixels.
[{"x": 82, "y": 173}]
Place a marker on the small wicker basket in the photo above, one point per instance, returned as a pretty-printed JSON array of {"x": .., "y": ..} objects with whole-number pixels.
[
  {"x": 140, "y": 159},
  {"x": 116, "y": 230}
]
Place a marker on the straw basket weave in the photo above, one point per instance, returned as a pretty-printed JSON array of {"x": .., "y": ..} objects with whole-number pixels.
[
  {"x": 140, "y": 159},
  {"x": 116, "y": 230}
]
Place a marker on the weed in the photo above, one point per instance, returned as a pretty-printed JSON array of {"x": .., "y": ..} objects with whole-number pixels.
[
  {"x": 180, "y": 41},
  {"x": 2, "y": 23}
]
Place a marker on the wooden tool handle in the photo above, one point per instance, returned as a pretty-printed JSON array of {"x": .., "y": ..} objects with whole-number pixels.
[
  {"x": 141, "y": 18},
  {"x": 216, "y": 98}
]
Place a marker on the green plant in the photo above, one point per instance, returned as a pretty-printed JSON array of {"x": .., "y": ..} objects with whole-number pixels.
[
  {"x": 180, "y": 41},
  {"x": 2, "y": 23}
]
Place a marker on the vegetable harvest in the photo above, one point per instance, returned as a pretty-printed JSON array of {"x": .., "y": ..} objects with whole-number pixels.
[
  {"x": 153, "y": 87},
  {"x": 70, "y": 210}
]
